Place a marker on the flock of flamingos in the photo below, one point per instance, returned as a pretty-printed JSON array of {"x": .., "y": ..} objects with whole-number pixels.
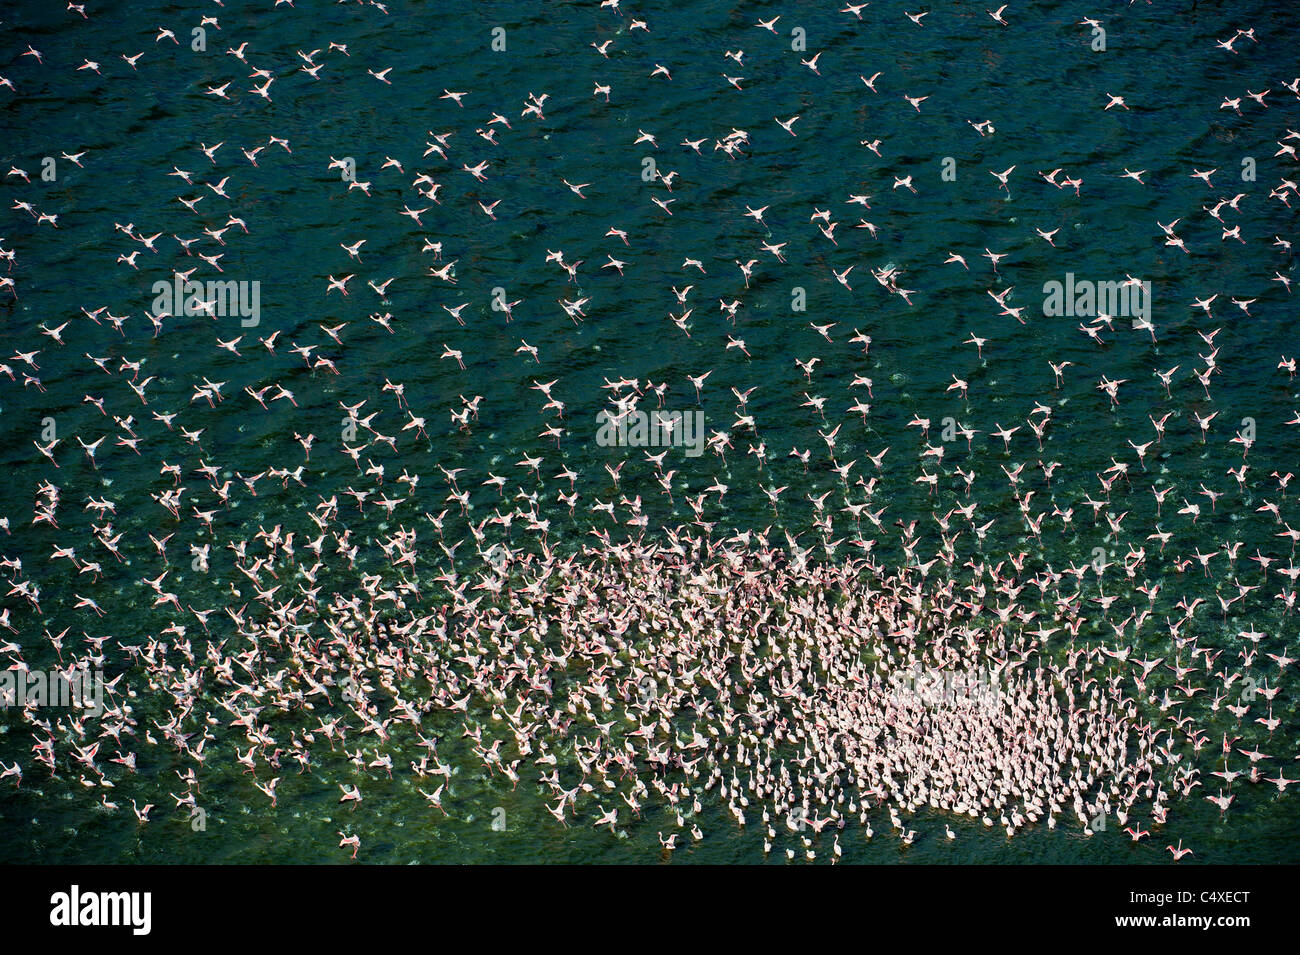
[{"x": 941, "y": 625}]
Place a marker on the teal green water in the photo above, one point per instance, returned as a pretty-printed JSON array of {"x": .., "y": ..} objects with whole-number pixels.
[{"x": 1038, "y": 81}]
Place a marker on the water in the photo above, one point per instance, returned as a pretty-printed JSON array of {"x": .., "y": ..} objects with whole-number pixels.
[{"x": 1037, "y": 80}]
